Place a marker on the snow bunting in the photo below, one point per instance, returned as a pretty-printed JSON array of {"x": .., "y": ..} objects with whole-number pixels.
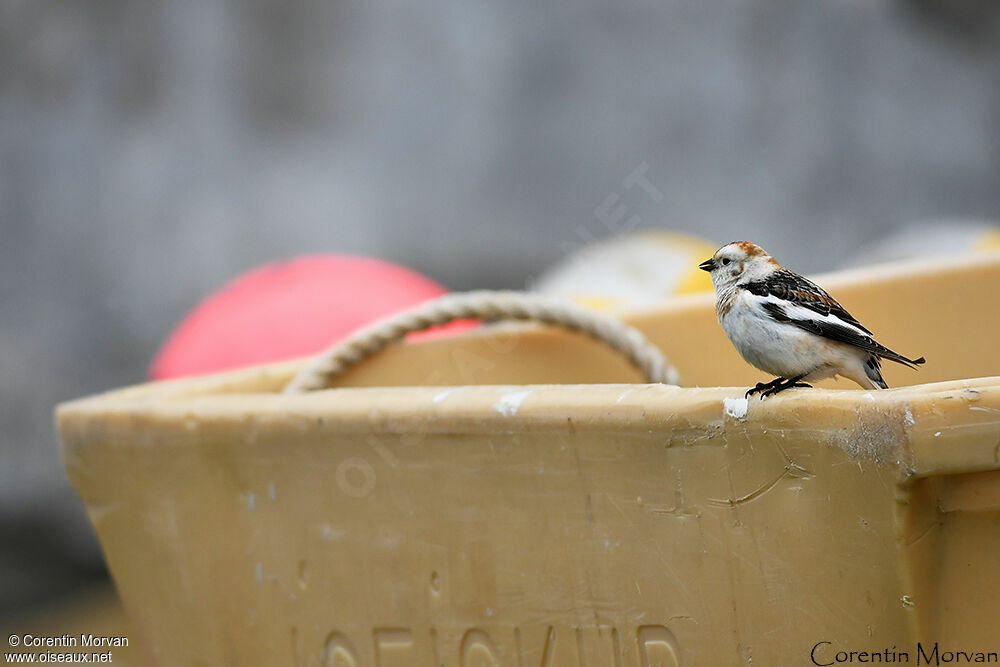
[{"x": 787, "y": 325}]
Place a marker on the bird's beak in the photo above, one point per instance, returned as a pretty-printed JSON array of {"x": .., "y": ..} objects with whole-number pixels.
[{"x": 707, "y": 265}]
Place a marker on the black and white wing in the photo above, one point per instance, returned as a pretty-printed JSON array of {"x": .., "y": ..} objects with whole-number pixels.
[{"x": 789, "y": 298}]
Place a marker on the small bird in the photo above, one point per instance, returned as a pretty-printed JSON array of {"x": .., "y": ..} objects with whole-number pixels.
[{"x": 789, "y": 326}]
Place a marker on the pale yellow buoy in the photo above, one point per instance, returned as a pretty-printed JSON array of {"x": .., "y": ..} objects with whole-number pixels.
[
  {"x": 630, "y": 271},
  {"x": 934, "y": 238}
]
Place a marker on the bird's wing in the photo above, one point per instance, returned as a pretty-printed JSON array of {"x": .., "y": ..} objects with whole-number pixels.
[
  {"x": 788, "y": 286},
  {"x": 831, "y": 326}
]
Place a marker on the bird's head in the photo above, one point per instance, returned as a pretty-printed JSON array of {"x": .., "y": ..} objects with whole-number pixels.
[{"x": 737, "y": 263}]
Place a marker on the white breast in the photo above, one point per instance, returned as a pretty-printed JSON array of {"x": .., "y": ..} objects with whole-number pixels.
[{"x": 778, "y": 348}]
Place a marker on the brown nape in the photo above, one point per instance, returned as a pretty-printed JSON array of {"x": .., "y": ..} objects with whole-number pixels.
[{"x": 751, "y": 249}]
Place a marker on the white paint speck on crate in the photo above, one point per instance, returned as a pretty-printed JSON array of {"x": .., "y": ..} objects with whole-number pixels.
[
  {"x": 444, "y": 394},
  {"x": 736, "y": 407},
  {"x": 509, "y": 403}
]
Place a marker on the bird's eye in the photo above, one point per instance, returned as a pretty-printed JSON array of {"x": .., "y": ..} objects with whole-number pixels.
[{"x": 726, "y": 261}]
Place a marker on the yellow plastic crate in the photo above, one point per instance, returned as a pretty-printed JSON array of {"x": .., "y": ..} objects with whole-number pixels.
[{"x": 566, "y": 524}]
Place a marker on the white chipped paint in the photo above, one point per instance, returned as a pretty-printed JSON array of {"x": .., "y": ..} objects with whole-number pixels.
[
  {"x": 445, "y": 394},
  {"x": 251, "y": 501},
  {"x": 626, "y": 393},
  {"x": 510, "y": 403},
  {"x": 868, "y": 395},
  {"x": 908, "y": 418},
  {"x": 736, "y": 407},
  {"x": 938, "y": 434}
]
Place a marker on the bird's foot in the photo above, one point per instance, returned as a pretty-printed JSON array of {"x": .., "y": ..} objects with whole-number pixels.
[
  {"x": 763, "y": 387},
  {"x": 783, "y": 385}
]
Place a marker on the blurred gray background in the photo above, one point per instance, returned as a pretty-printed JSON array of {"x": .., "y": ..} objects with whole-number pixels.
[{"x": 151, "y": 151}]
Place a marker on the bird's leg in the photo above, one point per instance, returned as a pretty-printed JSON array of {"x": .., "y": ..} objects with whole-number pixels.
[
  {"x": 785, "y": 384},
  {"x": 763, "y": 386},
  {"x": 796, "y": 382}
]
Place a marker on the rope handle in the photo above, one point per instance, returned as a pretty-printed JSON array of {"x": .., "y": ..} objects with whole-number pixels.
[{"x": 484, "y": 305}]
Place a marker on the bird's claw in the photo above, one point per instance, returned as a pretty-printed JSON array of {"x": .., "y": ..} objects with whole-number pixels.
[
  {"x": 771, "y": 391},
  {"x": 761, "y": 386},
  {"x": 775, "y": 386}
]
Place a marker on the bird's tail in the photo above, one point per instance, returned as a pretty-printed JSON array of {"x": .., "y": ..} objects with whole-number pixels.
[{"x": 886, "y": 353}]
